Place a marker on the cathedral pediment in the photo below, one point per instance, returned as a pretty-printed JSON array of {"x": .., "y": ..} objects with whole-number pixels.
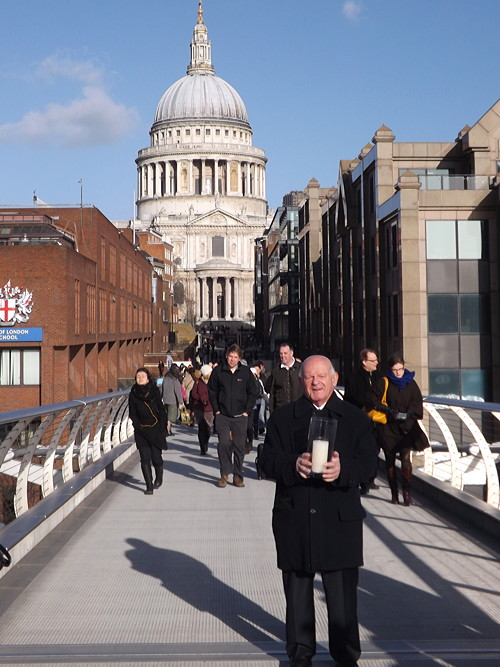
[
  {"x": 217, "y": 263},
  {"x": 217, "y": 218}
]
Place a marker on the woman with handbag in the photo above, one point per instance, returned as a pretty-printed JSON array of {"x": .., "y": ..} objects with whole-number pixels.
[
  {"x": 149, "y": 418},
  {"x": 202, "y": 408},
  {"x": 401, "y": 432}
]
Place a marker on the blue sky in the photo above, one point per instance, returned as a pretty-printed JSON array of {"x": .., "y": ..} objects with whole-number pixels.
[{"x": 80, "y": 81}]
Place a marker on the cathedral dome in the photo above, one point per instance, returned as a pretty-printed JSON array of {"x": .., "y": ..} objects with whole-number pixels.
[{"x": 201, "y": 96}]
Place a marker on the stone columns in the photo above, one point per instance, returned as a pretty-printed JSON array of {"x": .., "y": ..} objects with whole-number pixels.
[{"x": 216, "y": 176}]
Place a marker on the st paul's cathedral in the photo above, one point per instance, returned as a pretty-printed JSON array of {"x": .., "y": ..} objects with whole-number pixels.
[{"x": 202, "y": 186}]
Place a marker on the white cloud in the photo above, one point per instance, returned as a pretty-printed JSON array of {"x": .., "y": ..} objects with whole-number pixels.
[
  {"x": 57, "y": 66},
  {"x": 352, "y": 10},
  {"x": 89, "y": 120}
]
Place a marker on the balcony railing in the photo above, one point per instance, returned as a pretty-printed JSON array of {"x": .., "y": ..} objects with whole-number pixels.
[{"x": 454, "y": 182}]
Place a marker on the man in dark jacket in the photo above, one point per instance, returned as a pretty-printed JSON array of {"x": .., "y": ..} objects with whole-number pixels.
[
  {"x": 283, "y": 385},
  {"x": 318, "y": 523},
  {"x": 233, "y": 391},
  {"x": 358, "y": 386}
]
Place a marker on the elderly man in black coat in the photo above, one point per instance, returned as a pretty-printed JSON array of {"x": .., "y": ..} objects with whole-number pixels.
[{"x": 318, "y": 522}]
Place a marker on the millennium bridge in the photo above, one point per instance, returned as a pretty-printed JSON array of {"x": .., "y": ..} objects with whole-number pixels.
[{"x": 101, "y": 574}]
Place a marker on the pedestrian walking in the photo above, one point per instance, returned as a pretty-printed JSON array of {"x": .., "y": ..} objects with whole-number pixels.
[
  {"x": 172, "y": 396},
  {"x": 149, "y": 418},
  {"x": 357, "y": 388},
  {"x": 283, "y": 384},
  {"x": 202, "y": 408},
  {"x": 401, "y": 433},
  {"x": 233, "y": 392}
]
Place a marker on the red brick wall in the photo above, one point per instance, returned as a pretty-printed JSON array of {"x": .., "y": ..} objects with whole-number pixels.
[{"x": 78, "y": 363}]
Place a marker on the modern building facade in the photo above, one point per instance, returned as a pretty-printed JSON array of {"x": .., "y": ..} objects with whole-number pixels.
[
  {"x": 78, "y": 312},
  {"x": 283, "y": 274},
  {"x": 202, "y": 186},
  {"x": 410, "y": 259}
]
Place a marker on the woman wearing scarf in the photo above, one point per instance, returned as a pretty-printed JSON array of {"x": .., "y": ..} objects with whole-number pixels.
[
  {"x": 402, "y": 432},
  {"x": 149, "y": 420}
]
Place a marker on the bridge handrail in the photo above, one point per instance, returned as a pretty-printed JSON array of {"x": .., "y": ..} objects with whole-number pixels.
[
  {"x": 42, "y": 448},
  {"x": 465, "y": 444}
]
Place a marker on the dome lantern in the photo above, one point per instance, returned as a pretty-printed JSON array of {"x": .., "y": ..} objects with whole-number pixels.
[{"x": 200, "y": 94}]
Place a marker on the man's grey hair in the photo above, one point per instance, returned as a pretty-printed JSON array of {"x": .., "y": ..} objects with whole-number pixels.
[{"x": 320, "y": 356}]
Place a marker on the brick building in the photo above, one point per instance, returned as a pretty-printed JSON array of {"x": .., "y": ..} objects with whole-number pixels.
[{"x": 90, "y": 315}]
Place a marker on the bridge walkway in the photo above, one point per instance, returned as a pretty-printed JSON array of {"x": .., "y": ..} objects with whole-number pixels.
[{"x": 188, "y": 577}]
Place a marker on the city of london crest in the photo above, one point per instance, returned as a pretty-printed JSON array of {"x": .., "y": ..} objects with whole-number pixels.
[{"x": 16, "y": 304}]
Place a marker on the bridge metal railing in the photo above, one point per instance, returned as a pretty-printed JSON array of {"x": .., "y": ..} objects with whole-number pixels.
[
  {"x": 42, "y": 448},
  {"x": 465, "y": 445}
]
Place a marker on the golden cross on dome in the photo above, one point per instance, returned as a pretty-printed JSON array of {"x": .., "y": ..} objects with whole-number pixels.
[{"x": 200, "y": 11}]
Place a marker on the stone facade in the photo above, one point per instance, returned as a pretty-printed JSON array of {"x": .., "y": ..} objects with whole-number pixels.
[
  {"x": 410, "y": 260},
  {"x": 202, "y": 186}
]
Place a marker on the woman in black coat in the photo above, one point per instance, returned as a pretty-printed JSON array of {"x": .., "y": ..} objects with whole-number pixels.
[
  {"x": 147, "y": 412},
  {"x": 402, "y": 432}
]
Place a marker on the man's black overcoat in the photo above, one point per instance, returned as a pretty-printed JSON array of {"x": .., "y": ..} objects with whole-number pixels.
[{"x": 318, "y": 525}]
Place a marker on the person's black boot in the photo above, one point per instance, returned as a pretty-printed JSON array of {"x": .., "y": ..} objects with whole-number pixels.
[
  {"x": 148, "y": 478},
  {"x": 159, "y": 477},
  {"x": 406, "y": 475},
  {"x": 393, "y": 484}
]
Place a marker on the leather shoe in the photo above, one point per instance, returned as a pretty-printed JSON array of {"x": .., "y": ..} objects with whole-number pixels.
[
  {"x": 237, "y": 481},
  {"x": 222, "y": 481}
]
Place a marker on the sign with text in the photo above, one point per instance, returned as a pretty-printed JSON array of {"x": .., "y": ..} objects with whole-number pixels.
[{"x": 19, "y": 335}]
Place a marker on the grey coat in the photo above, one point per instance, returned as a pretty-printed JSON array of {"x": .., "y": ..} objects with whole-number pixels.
[{"x": 171, "y": 390}]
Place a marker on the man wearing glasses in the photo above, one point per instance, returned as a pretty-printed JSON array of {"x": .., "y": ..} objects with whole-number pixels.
[{"x": 357, "y": 387}]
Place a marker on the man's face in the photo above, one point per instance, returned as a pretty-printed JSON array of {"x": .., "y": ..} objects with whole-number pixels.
[
  {"x": 286, "y": 355},
  {"x": 233, "y": 359},
  {"x": 370, "y": 363},
  {"x": 318, "y": 379}
]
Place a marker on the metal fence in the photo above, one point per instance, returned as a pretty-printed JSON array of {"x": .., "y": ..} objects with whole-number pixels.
[{"x": 42, "y": 448}]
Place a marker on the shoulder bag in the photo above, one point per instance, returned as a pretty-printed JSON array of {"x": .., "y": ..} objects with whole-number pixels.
[{"x": 377, "y": 415}]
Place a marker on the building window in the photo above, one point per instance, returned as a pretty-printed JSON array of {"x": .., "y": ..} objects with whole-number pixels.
[
  {"x": 452, "y": 313},
  {"x": 392, "y": 248},
  {"x": 472, "y": 239},
  {"x": 452, "y": 239},
  {"x": 473, "y": 314},
  {"x": 443, "y": 313},
  {"x": 103, "y": 258},
  {"x": 20, "y": 367},
  {"x": 467, "y": 384},
  {"x": 198, "y": 132},
  {"x": 218, "y": 246},
  {"x": 217, "y": 133},
  {"x": 112, "y": 264},
  {"x": 78, "y": 306},
  {"x": 207, "y": 131},
  {"x": 188, "y": 132},
  {"x": 444, "y": 382},
  {"x": 91, "y": 310}
]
